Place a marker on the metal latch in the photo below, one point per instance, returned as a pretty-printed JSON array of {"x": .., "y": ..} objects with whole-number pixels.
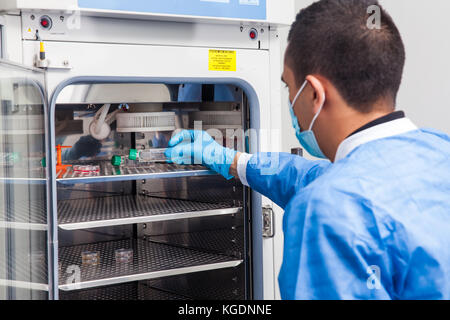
[{"x": 268, "y": 222}]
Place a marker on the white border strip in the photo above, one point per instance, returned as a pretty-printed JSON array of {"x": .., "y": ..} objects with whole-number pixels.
[
  {"x": 242, "y": 167},
  {"x": 381, "y": 131}
]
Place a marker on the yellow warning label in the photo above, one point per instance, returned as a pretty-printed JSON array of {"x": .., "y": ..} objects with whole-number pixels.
[{"x": 222, "y": 60}]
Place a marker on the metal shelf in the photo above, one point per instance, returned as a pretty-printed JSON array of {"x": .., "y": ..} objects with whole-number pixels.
[
  {"x": 23, "y": 175},
  {"x": 128, "y": 291},
  {"x": 26, "y": 181},
  {"x": 30, "y": 215},
  {"x": 140, "y": 171},
  {"x": 131, "y": 209},
  {"x": 150, "y": 261},
  {"x": 25, "y": 270}
]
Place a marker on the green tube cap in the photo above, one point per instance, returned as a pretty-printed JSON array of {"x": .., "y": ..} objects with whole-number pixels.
[
  {"x": 15, "y": 157},
  {"x": 116, "y": 161},
  {"x": 133, "y": 154},
  {"x": 44, "y": 162}
]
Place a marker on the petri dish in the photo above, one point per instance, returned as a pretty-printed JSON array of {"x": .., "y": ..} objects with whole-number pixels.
[
  {"x": 90, "y": 258},
  {"x": 123, "y": 255}
]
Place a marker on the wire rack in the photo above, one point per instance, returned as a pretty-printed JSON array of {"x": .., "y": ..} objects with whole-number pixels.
[
  {"x": 128, "y": 291},
  {"x": 129, "y": 209},
  {"x": 150, "y": 260},
  {"x": 108, "y": 172}
]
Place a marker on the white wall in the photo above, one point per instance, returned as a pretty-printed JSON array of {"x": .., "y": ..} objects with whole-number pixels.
[
  {"x": 289, "y": 140},
  {"x": 425, "y": 91}
]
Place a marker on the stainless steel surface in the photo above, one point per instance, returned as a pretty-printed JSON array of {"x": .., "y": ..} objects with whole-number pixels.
[
  {"x": 225, "y": 284},
  {"x": 151, "y": 260},
  {"x": 157, "y": 195},
  {"x": 69, "y": 238},
  {"x": 114, "y": 93},
  {"x": 191, "y": 225},
  {"x": 128, "y": 291},
  {"x": 224, "y": 241},
  {"x": 130, "y": 209},
  {"x": 209, "y": 189},
  {"x": 109, "y": 173}
]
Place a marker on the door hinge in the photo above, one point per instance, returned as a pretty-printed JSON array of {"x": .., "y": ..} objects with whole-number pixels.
[{"x": 268, "y": 222}]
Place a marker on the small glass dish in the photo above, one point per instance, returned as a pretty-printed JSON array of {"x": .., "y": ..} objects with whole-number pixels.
[
  {"x": 123, "y": 255},
  {"x": 90, "y": 258}
]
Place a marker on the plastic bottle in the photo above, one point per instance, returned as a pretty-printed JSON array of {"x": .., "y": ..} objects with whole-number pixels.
[{"x": 148, "y": 155}]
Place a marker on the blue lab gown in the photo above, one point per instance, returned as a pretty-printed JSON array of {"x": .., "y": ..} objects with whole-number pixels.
[{"x": 385, "y": 207}]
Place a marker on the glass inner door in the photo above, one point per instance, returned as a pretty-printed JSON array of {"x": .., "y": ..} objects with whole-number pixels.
[{"x": 23, "y": 184}]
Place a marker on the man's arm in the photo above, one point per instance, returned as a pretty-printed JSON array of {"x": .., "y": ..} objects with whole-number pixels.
[
  {"x": 234, "y": 165},
  {"x": 277, "y": 176}
]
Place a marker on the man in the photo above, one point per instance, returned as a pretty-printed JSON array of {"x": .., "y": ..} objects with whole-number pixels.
[{"x": 375, "y": 222}]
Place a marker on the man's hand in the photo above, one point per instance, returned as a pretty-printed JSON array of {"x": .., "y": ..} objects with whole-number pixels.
[
  {"x": 198, "y": 147},
  {"x": 87, "y": 146}
]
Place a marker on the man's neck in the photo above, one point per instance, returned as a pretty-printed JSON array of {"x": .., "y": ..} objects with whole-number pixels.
[{"x": 352, "y": 124}]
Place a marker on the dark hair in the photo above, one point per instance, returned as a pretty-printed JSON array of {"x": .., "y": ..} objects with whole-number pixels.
[{"x": 332, "y": 38}]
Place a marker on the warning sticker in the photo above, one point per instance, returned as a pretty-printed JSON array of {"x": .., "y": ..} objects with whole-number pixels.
[{"x": 222, "y": 60}]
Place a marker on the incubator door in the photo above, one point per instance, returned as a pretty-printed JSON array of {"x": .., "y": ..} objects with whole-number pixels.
[{"x": 23, "y": 184}]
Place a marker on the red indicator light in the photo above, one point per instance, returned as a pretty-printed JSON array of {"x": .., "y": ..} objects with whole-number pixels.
[
  {"x": 253, "y": 34},
  {"x": 46, "y": 22}
]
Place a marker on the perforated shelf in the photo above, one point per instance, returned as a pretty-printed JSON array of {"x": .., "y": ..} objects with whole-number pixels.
[
  {"x": 150, "y": 260},
  {"x": 25, "y": 215},
  {"x": 131, "y": 209},
  {"x": 24, "y": 269},
  {"x": 128, "y": 291},
  {"x": 125, "y": 173}
]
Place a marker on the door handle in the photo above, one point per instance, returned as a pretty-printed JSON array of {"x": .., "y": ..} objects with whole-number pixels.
[{"x": 268, "y": 222}]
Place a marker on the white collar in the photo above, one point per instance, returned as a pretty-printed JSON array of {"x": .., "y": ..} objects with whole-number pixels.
[{"x": 381, "y": 131}]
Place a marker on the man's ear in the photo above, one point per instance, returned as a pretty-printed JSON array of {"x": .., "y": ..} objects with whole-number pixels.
[{"x": 319, "y": 92}]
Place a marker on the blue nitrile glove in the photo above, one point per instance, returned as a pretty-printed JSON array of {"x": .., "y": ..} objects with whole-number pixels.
[{"x": 198, "y": 147}]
